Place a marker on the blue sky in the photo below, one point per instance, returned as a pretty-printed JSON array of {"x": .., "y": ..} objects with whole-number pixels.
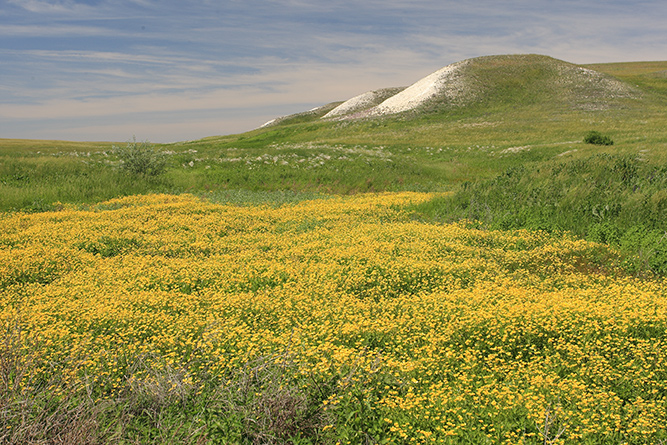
[{"x": 178, "y": 70}]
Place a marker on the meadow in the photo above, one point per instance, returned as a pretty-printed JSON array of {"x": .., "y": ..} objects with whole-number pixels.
[
  {"x": 170, "y": 319},
  {"x": 457, "y": 276}
]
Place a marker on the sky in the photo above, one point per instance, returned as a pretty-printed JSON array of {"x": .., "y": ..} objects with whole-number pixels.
[{"x": 167, "y": 70}]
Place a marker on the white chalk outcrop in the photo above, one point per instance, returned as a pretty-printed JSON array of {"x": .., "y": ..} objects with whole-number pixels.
[
  {"x": 448, "y": 83},
  {"x": 272, "y": 121},
  {"x": 357, "y": 103},
  {"x": 361, "y": 102}
]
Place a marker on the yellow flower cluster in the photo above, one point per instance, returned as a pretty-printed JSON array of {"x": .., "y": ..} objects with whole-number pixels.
[{"x": 442, "y": 333}]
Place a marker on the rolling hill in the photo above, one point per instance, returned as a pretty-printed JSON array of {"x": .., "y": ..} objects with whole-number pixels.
[
  {"x": 502, "y": 134},
  {"x": 491, "y": 81}
]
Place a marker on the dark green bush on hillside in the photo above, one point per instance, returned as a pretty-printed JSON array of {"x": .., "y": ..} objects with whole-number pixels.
[
  {"x": 596, "y": 138},
  {"x": 141, "y": 158}
]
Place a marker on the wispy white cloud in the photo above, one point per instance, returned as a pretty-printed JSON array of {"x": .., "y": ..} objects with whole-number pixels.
[
  {"x": 50, "y": 7},
  {"x": 33, "y": 31}
]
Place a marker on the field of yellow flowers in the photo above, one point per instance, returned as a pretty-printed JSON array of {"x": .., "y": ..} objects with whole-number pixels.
[{"x": 164, "y": 318}]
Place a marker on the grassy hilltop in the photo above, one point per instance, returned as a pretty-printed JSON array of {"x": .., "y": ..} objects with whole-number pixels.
[{"x": 503, "y": 281}]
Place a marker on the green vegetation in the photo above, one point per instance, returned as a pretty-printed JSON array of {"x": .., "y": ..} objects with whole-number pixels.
[
  {"x": 519, "y": 155},
  {"x": 596, "y": 138},
  {"x": 141, "y": 158},
  {"x": 614, "y": 199},
  {"x": 513, "y": 157}
]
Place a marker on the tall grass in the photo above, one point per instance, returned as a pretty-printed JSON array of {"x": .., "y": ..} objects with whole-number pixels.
[
  {"x": 615, "y": 199},
  {"x": 43, "y": 183}
]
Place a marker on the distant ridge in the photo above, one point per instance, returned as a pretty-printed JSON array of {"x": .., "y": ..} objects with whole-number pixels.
[{"x": 316, "y": 112}]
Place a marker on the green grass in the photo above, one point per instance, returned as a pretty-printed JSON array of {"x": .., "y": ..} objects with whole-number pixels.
[
  {"x": 649, "y": 76},
  {"x": 38, "y": 181},
  {"x": 436, "y": 149},
  {"x": 515, "y": 159},
  {"x": 614, "y": 199},
  {"x": 524, "y": 123}
]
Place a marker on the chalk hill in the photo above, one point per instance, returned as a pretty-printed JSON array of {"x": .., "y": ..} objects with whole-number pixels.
[{"x": 491, "y": 81}]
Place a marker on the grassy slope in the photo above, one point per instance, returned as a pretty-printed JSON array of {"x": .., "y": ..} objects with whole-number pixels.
[
  {"x": 517, "y": 113},
  {"x": 516, "y": 159},
  {"x": 649, "y": 76},
  {"x": 609, "y": 194},
  {"x": 525, "y": 126}
]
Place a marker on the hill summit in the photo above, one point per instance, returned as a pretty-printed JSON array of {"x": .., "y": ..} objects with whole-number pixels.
[
  {"x": 490, "y": 81},
  {"x": 525, "y": 79}
]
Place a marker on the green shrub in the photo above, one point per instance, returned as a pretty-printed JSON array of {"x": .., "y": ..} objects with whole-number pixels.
[
  {"x": 596, "y": 138},
  {"x": 141, "y": 158}
]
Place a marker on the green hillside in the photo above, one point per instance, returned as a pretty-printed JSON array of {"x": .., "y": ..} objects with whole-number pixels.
[
  {"x": 512, "y": 153},
  {"x": 487, "y": 265},
  {"x": 649, "y": 76}
]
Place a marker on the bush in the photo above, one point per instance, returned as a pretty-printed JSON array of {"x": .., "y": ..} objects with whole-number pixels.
[
  {"x": 141, "y": 158},
  {"x": 596, "y": 138}
]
